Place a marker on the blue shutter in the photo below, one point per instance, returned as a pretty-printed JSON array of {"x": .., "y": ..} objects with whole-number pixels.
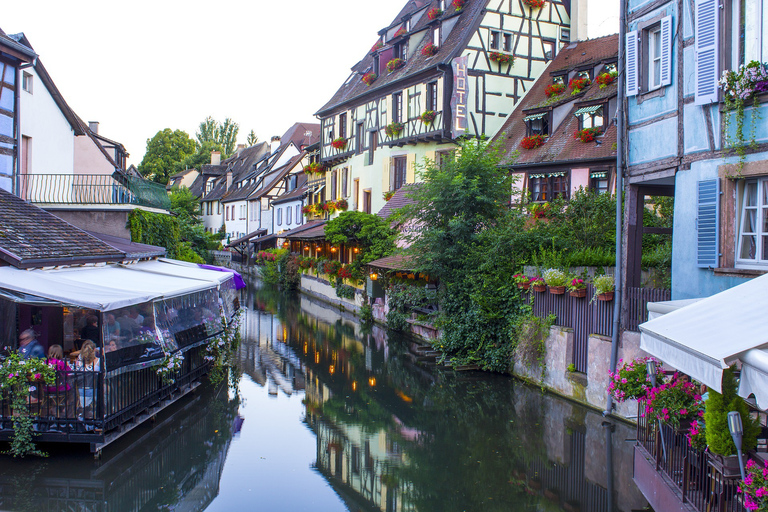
[
  {"x": 707, "y": 224},
  {"x": 707, "y": 15},
  {"x": 666, "y": 50},
  {"x": 633, "y": 83}
]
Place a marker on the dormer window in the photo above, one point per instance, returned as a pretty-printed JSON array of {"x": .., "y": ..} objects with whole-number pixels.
[
  {"x": 610, "y": 68},
  {"x": 585, "y": 73},
  {"x": 537, "y": 124},
  {"x": 559, "y": 79},
  {"x": 401, "y": 50},
  {"x": 436, "y": 35},
  {"x": 408, "y": 25},
  {"x": 441, "y": 5},
  {"x": 590, "y": 117}
]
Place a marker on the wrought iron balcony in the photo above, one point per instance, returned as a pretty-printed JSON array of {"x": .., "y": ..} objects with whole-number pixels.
[{"x": 92, "y": 189}]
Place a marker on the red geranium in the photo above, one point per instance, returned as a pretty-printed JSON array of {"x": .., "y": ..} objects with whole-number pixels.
[
  {"x": 587, "y": 134},
  {"x": 554, "y": 90},
  {"x": 342, "y": 205},
  {"x": 501, "y": 58},
  {"x": 434, "y": 13},
  {"x": 534, "y": 4},
  {"x": 429, "y": 50},
  {"x": 606, "y": 79},
  {"x": 339, "y": 143},
  {"x": 394, "y": 64},
  {"x": 579, "y": 84},
  {"x": 400, "y": 32},
  {"x": 369, "y": 78},
  {"x": 313, "y": 168},
  {"x": 532, "y": 142},
  {"x": 459, "y": 4},
  {"x": 378, "y": 46}
]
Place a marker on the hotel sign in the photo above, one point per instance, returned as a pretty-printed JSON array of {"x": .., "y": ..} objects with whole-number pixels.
[{"x": 459, "y": 96}]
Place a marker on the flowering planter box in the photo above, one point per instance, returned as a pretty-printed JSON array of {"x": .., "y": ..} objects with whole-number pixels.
[
  {"x": 727, "y": 466},
  {"x": 557, "y": 290},
  {"x": 539, "y": 288},
  {"x": 580, "y": 293},
  {"x": 605, "y": 297},
  {"x": 523, "y": 286}
]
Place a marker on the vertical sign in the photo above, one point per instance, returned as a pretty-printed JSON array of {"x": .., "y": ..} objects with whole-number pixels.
[{"x": 459, "y": 96}]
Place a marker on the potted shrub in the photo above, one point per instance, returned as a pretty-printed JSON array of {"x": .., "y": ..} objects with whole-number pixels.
[
  {"x": 606, "y": 79},
  {"x": 577, "y": 288},
  {"x": 394, "y": 64},
  {"x": 554, "y": 90},
  {"x": 534, "y": 4},
  {"x": 434, "y": 13},
  {"x": 521, "y": 281},
  {"x": 538, "y": 284},
  {"x": 631, "y": 379},
  {"x": 393, "y": 129},
  {"x": 429, "y": 50},
  {"x": 369, "y": 78},
  {"x": 604, "y": 286},
  {"x": 578, "y": 84},
  {"x": 428, "y": 117},
  {"x": 676, "y": 403},
  {"x": 532, "y": 141},
  {"x": 501, "y": 58},
  {"x": 339, "y": 143},
  {"x": 739, "y": 87},
  {"x": 342, "y": 205},
  {"x": 556, "y": 279},
  {"x": 722, "y": 451},
  {"x": 587, "y": 134},
  {"x": 755, "y": 487}
]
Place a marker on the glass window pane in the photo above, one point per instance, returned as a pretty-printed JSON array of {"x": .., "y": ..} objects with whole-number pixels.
[
  {"x": 764, "y": 254},
  {"x": 765, "y": 221},
  {"x": 751, "y": 194},
  {"x": 748, "y": 247},
  {"x": 749, "y": 221},
  {"x": 6, "y": 99},
  {"x": 6, "y": 126}
]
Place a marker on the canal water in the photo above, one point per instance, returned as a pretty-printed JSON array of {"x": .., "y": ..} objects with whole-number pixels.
[{"x": 332, "y": 417}]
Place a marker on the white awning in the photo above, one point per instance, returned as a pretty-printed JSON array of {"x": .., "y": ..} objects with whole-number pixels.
[
  {"x": 754, "y": 376},
  {"x": 587, "y": 110},
  {"x": 534, "y": 117},
  {"x": 110, "y": 287},
  {"x": 704, "y": 338}
]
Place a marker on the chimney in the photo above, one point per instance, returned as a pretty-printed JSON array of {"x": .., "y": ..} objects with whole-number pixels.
[
  {"x": 579, "y": 20},
  {"x": 93, "y": 126},
  {"x": 229, "y": 179},
  {"x": 215, "y": 157},
  {"x": 240, "y": 148},
  {"x": 274, "y": 143}
]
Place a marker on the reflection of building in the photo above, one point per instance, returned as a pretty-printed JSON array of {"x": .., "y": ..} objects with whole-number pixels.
[{"x": 176, "y": 466}]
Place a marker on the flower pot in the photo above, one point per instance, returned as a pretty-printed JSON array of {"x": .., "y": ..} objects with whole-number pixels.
[
  {"x": 523, "y": 286},
  {"x": 727, "y": 466},
  {"x": 540, "y": 288},
  {"x": 580, "y": 292},
  {"x": 557, "y": 290},
  {"x": 605, "y": 297}
]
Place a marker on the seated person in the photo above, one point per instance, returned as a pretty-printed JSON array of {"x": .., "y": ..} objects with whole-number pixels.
[
  {"x": 29, "y": 347},
  {"x": 91, "y": 331},
  {"x": 111, "y": 327},
  {"x": 87, "y": 362},
  {"x": 57, "y": 362}
]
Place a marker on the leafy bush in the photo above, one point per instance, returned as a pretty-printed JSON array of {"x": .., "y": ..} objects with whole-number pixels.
[
  {"x": 531, "y": 335},
  {"x": 631, "y": 379},
  {"x": 344, "y": 291},
  {"x": 555, "y": 277},
  {"x": 366, "y": 314},
  {"x": 673, "y": 402},
  {"x": 716, "y": 418}
]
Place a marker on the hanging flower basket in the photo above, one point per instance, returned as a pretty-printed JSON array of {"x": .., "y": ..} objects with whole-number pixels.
[
  {"x": 554, "y": 90},
  {"x": 522, "y": 281},
  {"x": 313, "y": 168},
  {"x": 394, "y": 64},
  {"x": 579, "y": 84},
  {"x": 606, "y": 79},
  {"x": 400, "y": 32},
  {"x": 587, "y": 134},
  {"x": 339, "y": 143},
  {"x": 577, "y": 288},
  {"x": 378, "y": 46},
  {"x": 557, "y": 290},
  {"x": 342, "y": 205},
  {"x": 532, "y": 142},
  {"x": 605, "y": 297},
  {"x": 459, "y": 4},
  {"x": 393, "y": 129},
  {"x": 534, "y": 4},
  {"x": 502, "y": 58},
  {"x": 369, "y": 78},
  {"x": 434, "y": 13},
  {"x": 429, "y": 50},
  {"x": 388, "y": 195},
  {"x": 578, "y": 293},
  {"x": 538, "y": 285},
  {"x": 428, "y": 117}
]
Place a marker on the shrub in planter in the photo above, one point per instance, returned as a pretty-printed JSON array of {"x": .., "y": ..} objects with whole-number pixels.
[
  {"x": 673, "y": 402},
  {"x": 538, "y": 284},
  {"x": 755, "y": 487},
  {"x": 394, "y": 64},
  {"x": 555, "y": 278},
  {"x": 554, "y": 90},
  {"x": 606, "y": 79},
  {"x": 631, "y": 379},
  {"x": 393, "y": 129},
  {"x": 313, "y": 168},
  {"x": 428, "y": 117},
  {"x": 587, "y": 134},
  {"x": 501, "y": 58},
  {"x": 577, "y": 287},
  {"x": 388, "y": 195},
  {"x": 716, "y": 418},
  {"x": 521, "y": 281},
  {"x": 604, "y": 286},
  {"x": 532, "y": 141},
  {"x": 579, "y": 84},
  {"x": 339, "y": 143},
  {"x": 342, "y": 205},
  {"x": 369, "y": 78},
  {"x": 459, "y": 4},
  {"x": 429, "y": 50},
  {"x": 434, "y": 13},
  {"x": 534, "y": 4}
]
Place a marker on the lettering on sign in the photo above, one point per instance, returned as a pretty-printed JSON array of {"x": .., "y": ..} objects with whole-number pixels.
[{"x": 459, "y": 96}]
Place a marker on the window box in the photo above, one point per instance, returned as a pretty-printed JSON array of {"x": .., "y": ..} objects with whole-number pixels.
[
  {"x": 378, "y": 46},
  {"x": 434, "y": 13},
  {"x": 588, "y": 134},
  {"x": 554, "y": 90},
  {"x": 578, "y": 84},
  {"x": 606, "y": 79},
  {"x": 314, "y": 168},
  {"x": 458, "y": 4},
  {"x": 393, "y": 129},
  {"x": 428, "y": 117},
  {"x": 369, "y": 78},
  {"x": 429, "y": 50},
  {"x": 532, "y": 142},
  {"x": 400, "y": 32},
  {"x": 502, "y": 58},
  {"x": 395, "y": 64},
  {"x": 339, "y": 143},
  {"x": 534, "y": 4}
]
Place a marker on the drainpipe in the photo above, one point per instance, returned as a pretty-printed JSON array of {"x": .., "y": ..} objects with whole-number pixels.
[{"x": 617, "y": 301}]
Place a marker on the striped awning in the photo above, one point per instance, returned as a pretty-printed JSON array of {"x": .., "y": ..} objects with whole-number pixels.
[
  {"x": 588, "y": 110},
  {"x": 534, "y": 117},
  {"x": 598, "y": 174}
]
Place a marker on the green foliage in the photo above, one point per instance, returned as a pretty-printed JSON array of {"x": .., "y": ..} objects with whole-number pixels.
[
  {"x": 164, "y": 152},
  {"x": 221, "y": 350},
  {"x": 223, "y": 134},
  {"x": 368, "y": 232},
  {"x": 716, "y": 418},
  {"x": 252, "y": 139},
  {"x": 530, "y": 335},
  {"x": 269, "y": 271},
  {"x": 201, "y": 157},
  {"x": 344, "y": 291},
  {"x": 366, "y": 314},
  {"x": 289, "y": 279},
  {"x": 155, "y": 229}
]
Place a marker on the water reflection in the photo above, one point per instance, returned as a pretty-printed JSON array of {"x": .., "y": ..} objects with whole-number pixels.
[{"x": 395, "y": 436}]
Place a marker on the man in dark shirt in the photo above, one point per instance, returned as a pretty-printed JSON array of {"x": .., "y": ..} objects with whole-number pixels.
[
  {"x": 91, "y": 330},
  {"x": 29, "y": 347}
]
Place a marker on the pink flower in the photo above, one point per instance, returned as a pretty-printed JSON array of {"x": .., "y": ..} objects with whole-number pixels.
[
  {"x": 683, "y": 412},
  {"x": 37, "y": 376},
  {"x": 761, "y": 492},
  {"x": 624, "y": 381}
]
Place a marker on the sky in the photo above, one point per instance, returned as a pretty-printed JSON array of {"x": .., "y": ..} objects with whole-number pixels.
[{"x": 141, "y": 66}]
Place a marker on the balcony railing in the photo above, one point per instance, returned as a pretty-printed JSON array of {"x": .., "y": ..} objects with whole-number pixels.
[{"x": 92, "y": 189}]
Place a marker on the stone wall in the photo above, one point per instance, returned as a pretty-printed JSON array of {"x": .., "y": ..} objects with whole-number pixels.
[{"x": 322, "y": 289}]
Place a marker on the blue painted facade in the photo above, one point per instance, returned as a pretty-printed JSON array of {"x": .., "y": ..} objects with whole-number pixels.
[{"x": 673, "y": 140}]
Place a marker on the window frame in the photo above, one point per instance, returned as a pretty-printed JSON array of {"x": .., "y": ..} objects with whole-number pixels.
[
  {"x": 652, "y": 43},
  {"x": 288, "y": 215},
  {"x": 343, "y": 125},
  {"x": 27, "y": 82},
  {"x": 760, "y": 234},
  {"x": 397, "y": 107},
  {"x": 600, "y": 113},
  {"x": 598, "y": 176},
  {"x": 554, "y": 185},
  {"x": 279, "y": 216},
  {"x": 400, "y": 170},
  {"x": 737, "y": 41},
  {"x": 431, "y": 101},
  {"x": 545, "y": 128}
]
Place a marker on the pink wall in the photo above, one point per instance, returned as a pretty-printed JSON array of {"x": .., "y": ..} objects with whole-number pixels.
[
  {"x": 579, "y": 178},
  {"x": 89, "y": 159}
]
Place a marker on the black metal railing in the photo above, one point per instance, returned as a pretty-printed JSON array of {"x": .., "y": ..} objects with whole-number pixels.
[
  {"x": 688, "y": 470},
  {"x": 92, "y": 189},
  {"x": 637, "y": 304}
]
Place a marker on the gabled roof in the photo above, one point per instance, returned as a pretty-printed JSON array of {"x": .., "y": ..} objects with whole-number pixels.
[
  {"x": 396, "y": 262},
  {"x": 31, "y": 237},
  {"x": 16, "y": 49},
  {"x": 400, "y": 199},
  {"x": 132, "y": 250},
  {"x": 293, "y": 195},
  {"x": 302, "y": 134},
  {"x": 466, "y": 22},
  {"x": 310, "y": 227},
  {"x": 562, "y": 146}
]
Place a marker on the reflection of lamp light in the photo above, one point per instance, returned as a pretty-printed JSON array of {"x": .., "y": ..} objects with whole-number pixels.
[
  {"x": 333, "y": 249},
  {"x": 357, "y": 250},
  {"x": 317, "y": 357},
  {"x": 737, "y": 431},
  {"x": 354, "y": 385},
  {"x": 372, "y": 381},
  {"x": 306, "y": 347},
  {"x": 374, "y": 276},
  {"x": 331, "y": 369}
]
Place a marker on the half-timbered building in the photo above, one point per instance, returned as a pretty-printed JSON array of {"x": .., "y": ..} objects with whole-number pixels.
[{"x": 441, "y": 70}]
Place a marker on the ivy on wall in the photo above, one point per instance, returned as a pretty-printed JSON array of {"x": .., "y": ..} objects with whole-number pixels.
[{"x": 156, "y": 229}]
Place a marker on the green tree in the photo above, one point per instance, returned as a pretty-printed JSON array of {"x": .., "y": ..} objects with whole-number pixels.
[
  {"x": 252, "y": 139},
  {"x": 224, "y": 134},
  {"x": 200, "y": 158},
  {"x": 164, "y": 152},
  {"x": 195, "y": 243},
  {"x": 368, "y": 232}
]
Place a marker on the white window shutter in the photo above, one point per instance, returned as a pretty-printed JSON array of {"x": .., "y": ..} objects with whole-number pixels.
[
  {"x": 707, "y": 16},
  {"x": 666, "y": 50},
  {"x": 707, "y": 224},
  {"x": 632, "y": 77}
]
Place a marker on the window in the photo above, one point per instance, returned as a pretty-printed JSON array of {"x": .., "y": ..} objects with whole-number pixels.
[
  {"x": 279, "y": 216},
  {"x": 26, "y": 82},
  {"x": 432, "y": 96},
  {"x": 753, "y": 227},
  {"x": 289, "y": 215},
  {"x": 436, "y": 37},
  {"x": 546, "y": 187},
  {"x": 298, "y": 215},
  {"x": 397, "y": 107},
  {"x": 357, "y": 194},
  {"x": 226, "y": 213},
  {"x": 343, "y": 124},
  {"x": 399, "y": 169},
  {"x": 507, "y": 46},
  {"x": 537, "y": 124},
  {"x": 374, "y": 137},
  {"x": 559, "y": 79},
  {"x": 748, "y": 37},
  {"x": 590, "y": 117},
  {"x": 443, "y": 157},
  {"x": 367, "y": 201},
  {"x": 218, "y": 208},
  {"x": 598, "y": 182},
  {"x": 565, "y": 34},
  {"x": 208, "y": 186},
  {"x": 494, "y": 42},
  {"x": 334, "y": 183},
  {"x": 344, "y": 182},
  {"x": 441, "y": 5},
  {"x": 359, "y": 138},
  {"x": 654, "y": 58},
  {"x": 584, "y": 73},
  {"x": 549, "y": 49},
  {"x": 649, "y": 57},
  {"x": 401, "y": 50}
]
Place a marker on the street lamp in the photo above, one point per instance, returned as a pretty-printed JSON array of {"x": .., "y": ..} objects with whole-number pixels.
[
  {"x": 650, "y": 367},
  {"x": 737, "y": 432}
]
